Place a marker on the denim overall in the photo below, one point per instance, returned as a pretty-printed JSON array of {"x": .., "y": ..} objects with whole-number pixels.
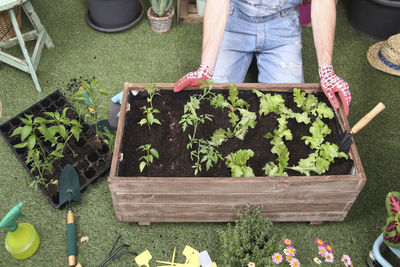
[{"x": 271, "y": 30}]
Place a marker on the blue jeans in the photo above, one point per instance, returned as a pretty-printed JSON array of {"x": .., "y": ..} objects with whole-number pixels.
[{"x": 270, "y": 30}]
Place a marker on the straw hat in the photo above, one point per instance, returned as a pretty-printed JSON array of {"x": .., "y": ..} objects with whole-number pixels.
[{"x": 385, "y": 55}]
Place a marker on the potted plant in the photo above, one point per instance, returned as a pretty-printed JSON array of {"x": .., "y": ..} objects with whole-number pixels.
[
  {"x": 376, "y": 20},
  {"x": 160, "y": 15},
  {"x": 113, "y": 15}
]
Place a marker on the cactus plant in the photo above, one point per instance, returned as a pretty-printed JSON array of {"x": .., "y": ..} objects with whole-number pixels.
[{"x": 160, "y": 7}]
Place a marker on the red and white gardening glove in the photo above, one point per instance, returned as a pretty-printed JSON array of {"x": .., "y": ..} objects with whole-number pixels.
[
  {"x": 331, "y": 84},
  {"x": 193, "y": 78}
]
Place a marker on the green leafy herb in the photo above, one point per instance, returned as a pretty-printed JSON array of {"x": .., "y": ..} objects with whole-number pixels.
[
  {"x": 237, "y": 163},
  {"x": 251, "y": 239}
]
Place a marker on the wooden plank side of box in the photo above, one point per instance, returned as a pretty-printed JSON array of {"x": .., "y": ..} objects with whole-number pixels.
[
  {"x": 143, "y": 217},
  {"x": 220, "y": 199}
]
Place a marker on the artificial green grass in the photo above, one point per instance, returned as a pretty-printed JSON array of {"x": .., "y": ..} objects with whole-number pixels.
[{"x": 139, "y": 55}]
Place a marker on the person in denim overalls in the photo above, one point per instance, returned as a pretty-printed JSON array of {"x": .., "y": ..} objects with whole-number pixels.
[{"x": 235, "y": 30}]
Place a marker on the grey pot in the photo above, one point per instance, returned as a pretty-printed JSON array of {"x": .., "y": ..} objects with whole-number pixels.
[{"x": 113, "y": 15}]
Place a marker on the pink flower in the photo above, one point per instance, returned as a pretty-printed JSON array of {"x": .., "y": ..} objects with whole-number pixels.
[
  {"x": 317, "y": 261},
  {"x": 320, "y": 242},
  {"x": 277, "y": 258},
  {"x": 289, "y": 258},
  {"x": 329, "y": 257},
  {"x": 322, "y": 251},
  {"x": 251, "y": 264},
  {"x": 287, "y": 242},
  {"x": 346, "y": 260},
  {"x": 290, "y": 251},
  {"x": 329, "y": 248},
  {"x": 295, "y": 263}
]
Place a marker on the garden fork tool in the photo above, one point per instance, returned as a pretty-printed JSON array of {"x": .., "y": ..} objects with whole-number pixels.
[
  {"x": 114, "y": 254},
  {"x": 346, "y": 141},
  {"x": 69, "y": 190}
]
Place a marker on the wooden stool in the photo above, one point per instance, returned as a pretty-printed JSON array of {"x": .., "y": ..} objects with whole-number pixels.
[{"x": 29, "y": 64}]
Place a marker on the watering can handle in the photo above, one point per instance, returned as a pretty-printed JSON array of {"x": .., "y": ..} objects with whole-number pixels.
[
  {"x": 71, "y": 239},
  {"x": 367, "y": 118}
]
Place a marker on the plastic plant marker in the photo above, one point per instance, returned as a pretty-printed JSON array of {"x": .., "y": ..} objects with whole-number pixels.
[
  {"x": 192, "y": 259},
  {"x": 189, "y": 252},
  {"x": 205, "y": 260},
  {"x": 143, "y": 258}
]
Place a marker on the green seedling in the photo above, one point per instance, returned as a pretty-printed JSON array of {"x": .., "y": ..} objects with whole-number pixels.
[
  {"x": 239, "y": 115},
  {"x": 59, "y": 129},
  {"x": 237, "y": 163},
  {"x": 149, "y": 111},
  {"x": 148, "y": 157},
  {"x": 37, "y": 158},
  {"x": 202, "y": 150},
  {"x": 88, "y": 97}
]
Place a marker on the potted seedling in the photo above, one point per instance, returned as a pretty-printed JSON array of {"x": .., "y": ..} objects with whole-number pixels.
[{"x": 160, "y": 15}]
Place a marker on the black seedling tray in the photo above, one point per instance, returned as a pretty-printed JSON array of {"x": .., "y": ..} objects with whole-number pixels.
[{"x": 93, "y": 157}]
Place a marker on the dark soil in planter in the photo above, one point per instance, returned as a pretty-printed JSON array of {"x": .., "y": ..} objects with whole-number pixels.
[
  {"x": 170, "y": 141},
  {"x": 92, "y": 156}
]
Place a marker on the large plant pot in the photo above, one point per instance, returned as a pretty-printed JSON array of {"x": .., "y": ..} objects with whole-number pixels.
[
  {"x": 113, "y": 15},
  {"x": 147, "y": 197},
  {"x": 160, "y": 24},
  {"x": 376, "y": 20}
]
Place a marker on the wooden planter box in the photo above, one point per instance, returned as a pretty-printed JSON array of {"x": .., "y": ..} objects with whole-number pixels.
[
  {"x": 187, "y": 12},
  {"x": 219, "y": 199}
]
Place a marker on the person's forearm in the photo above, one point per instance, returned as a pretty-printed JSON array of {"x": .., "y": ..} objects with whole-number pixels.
[
  {"x": 215, "y": 17},
  {"x": 323, "y": 17}
]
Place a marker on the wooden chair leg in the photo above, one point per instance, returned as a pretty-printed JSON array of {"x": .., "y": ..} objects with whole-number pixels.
[
  {"x": 21, "y": 42},
  {"x": 35, "y": 21}
]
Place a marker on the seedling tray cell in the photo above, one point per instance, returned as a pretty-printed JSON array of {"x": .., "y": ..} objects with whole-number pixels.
[{"x": 93, "y": 157}]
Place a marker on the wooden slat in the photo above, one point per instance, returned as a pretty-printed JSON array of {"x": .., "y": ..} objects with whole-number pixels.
[
  {"x": 211, "y": 197},
  {"x": 233, "y": 185},
  {"x": 229, "y": 217},
  {"x": 225, "y": 207}
]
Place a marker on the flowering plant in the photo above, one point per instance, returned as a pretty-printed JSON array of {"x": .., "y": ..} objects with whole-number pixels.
[
  {"x": 391, "y": 232},
  {"x": 325, "y": 252}
]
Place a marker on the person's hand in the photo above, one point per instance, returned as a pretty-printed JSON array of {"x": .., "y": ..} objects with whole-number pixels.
[
  {"x": 193, "y": 78},
  {"x": 331, "y": 84}
]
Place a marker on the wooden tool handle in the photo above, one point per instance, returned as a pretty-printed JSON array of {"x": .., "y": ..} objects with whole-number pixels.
[
  {"x": 71, "y": 239},
  {"x": 367, "y": 118}
]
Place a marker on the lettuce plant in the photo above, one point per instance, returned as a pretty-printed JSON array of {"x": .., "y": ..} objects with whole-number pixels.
[{"x": 237, "y": 163}]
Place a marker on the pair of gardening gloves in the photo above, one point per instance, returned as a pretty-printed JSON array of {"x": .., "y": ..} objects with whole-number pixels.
[{"x": 330, "y": 84}]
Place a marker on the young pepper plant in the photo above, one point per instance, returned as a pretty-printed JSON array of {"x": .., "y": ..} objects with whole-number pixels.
[
  {"x": 148, "y": 157},
  {"x": 37, "y": 158},
  {"x": 88, "y": 96},
  {"x": 61, "y": 130},
  {"x": 149, "y": 111}
]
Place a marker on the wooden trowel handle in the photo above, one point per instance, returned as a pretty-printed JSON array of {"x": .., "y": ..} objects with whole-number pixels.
[{"x": 367, "y": 118}]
